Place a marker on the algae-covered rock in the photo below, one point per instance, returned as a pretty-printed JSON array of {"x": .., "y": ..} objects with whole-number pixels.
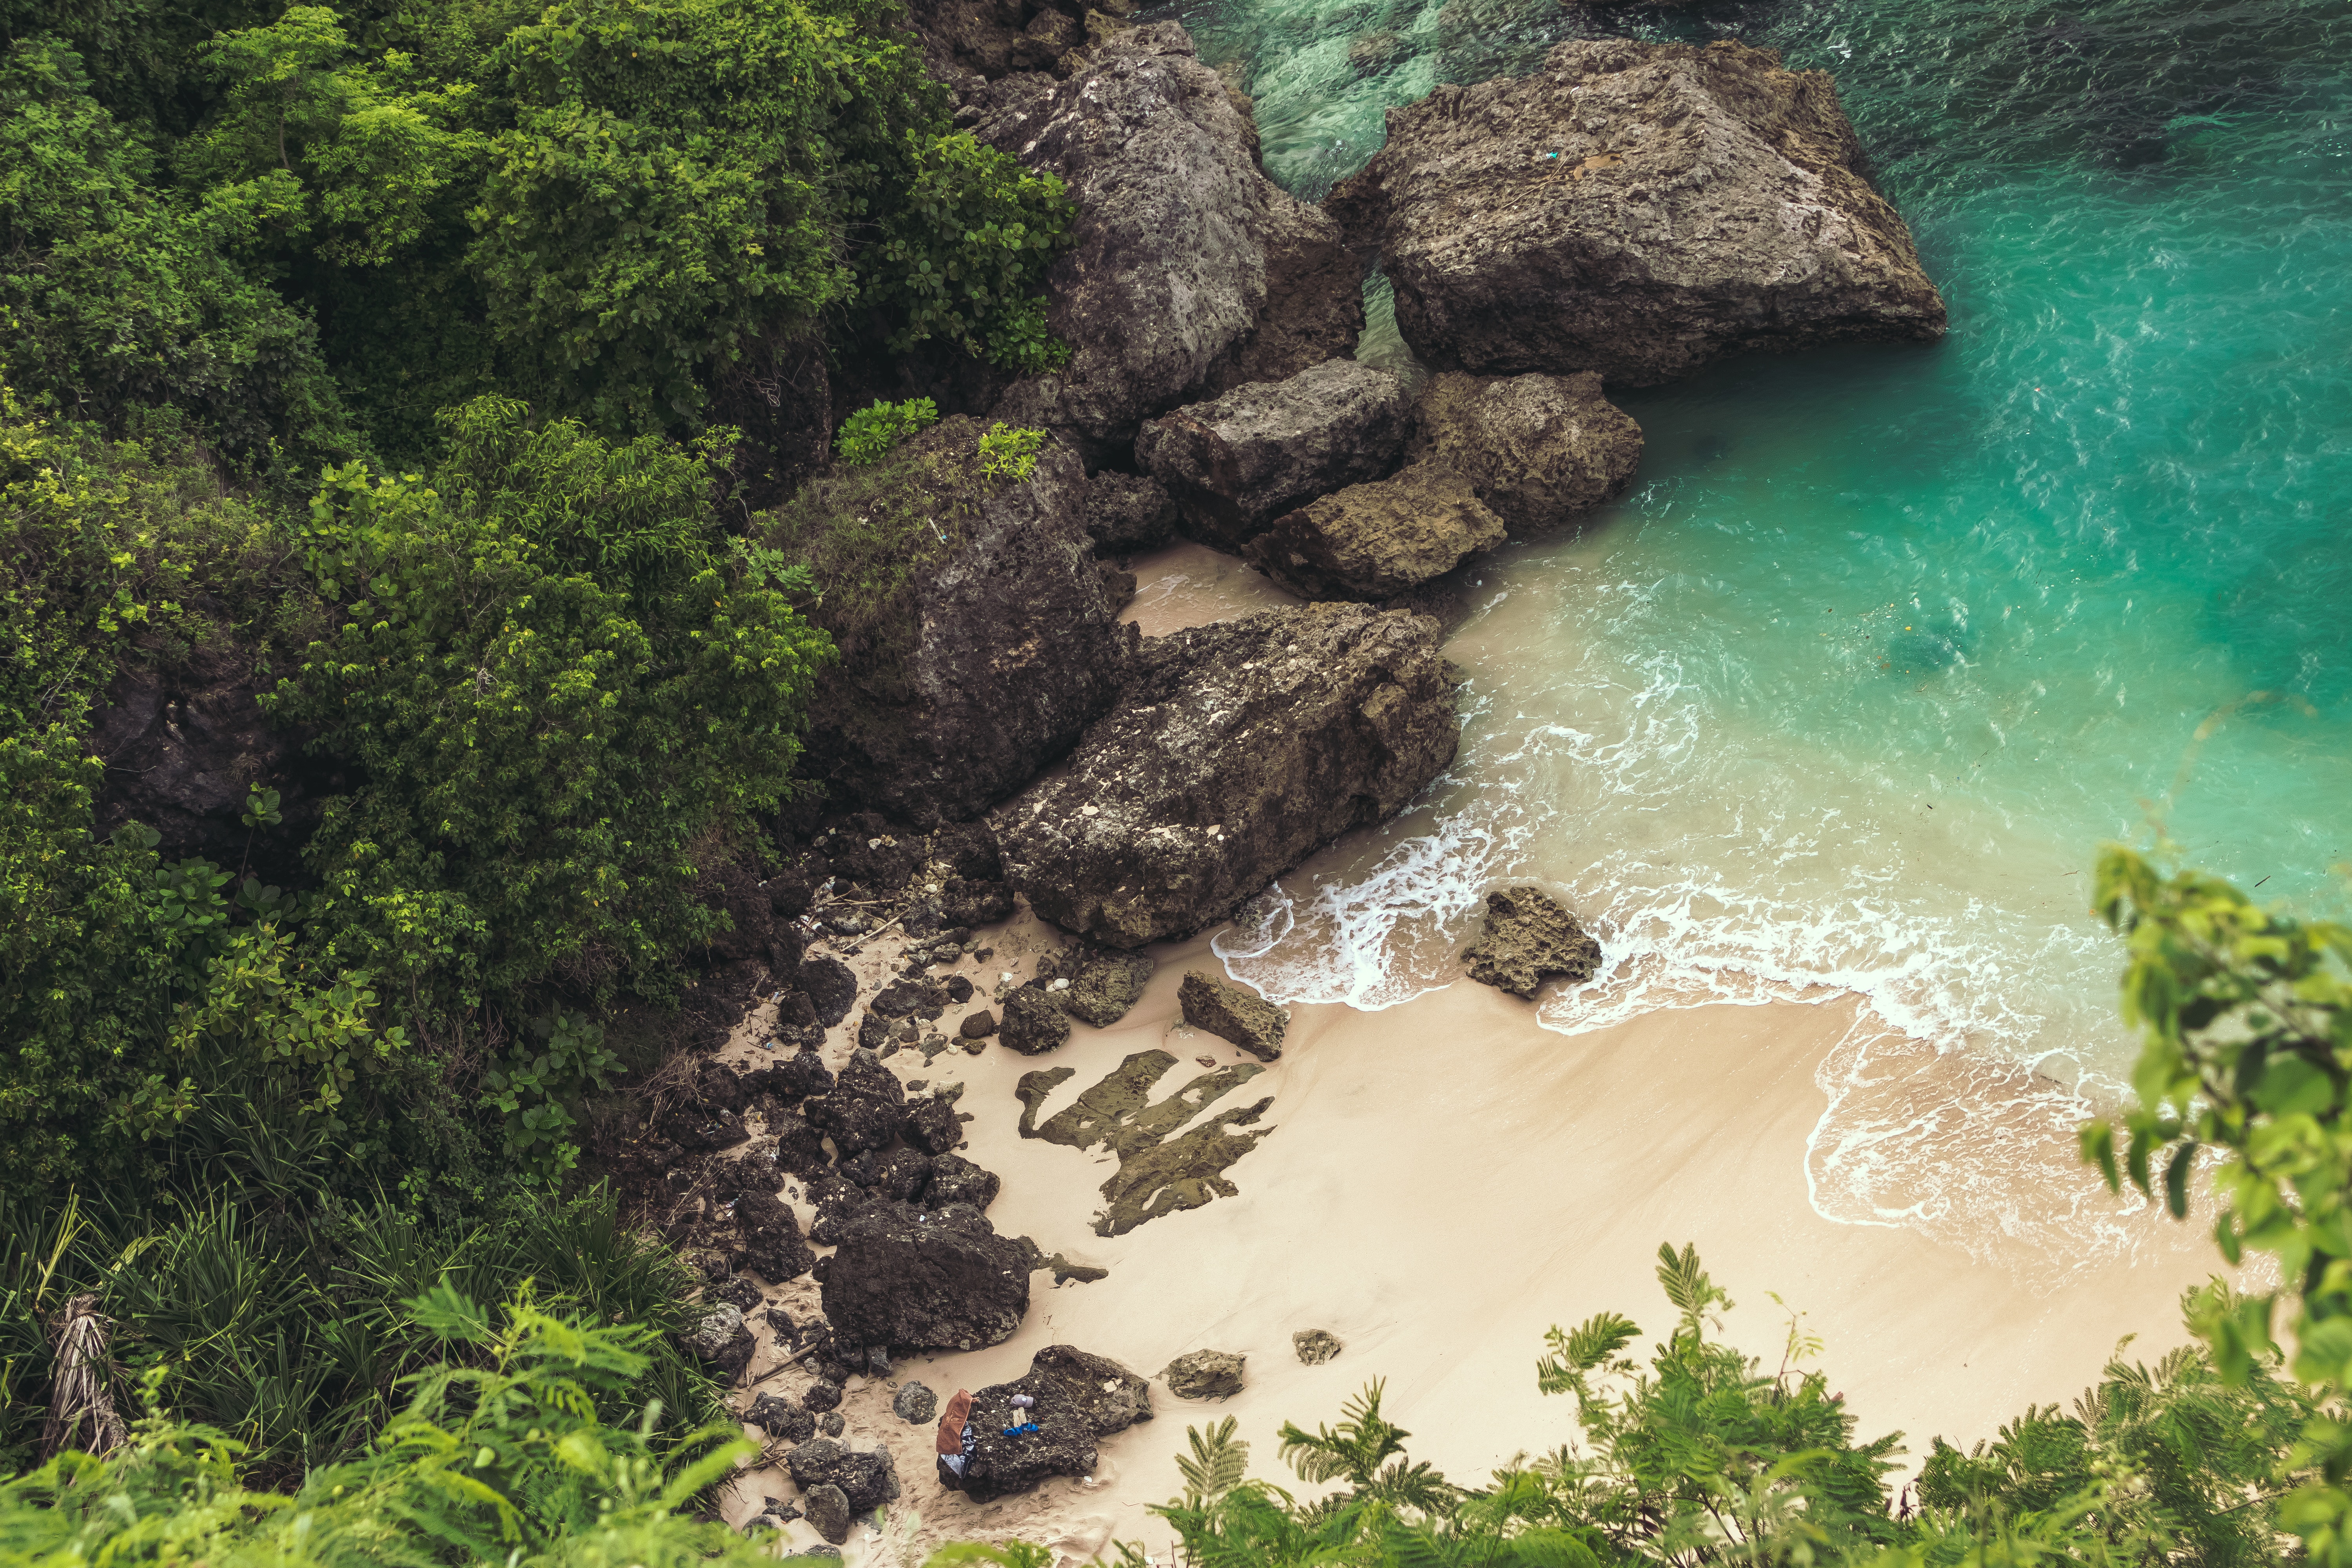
[
  {"x": 1236, "y": 749},
  {"x": 1528, "y": 938},
  {"x": 1103, "y": 984},
  {"x": 827, "y": 1509},
  {"x": 1204, "y": 1374},
  {"x": 1232, "y": 1013},
  {"x": 1316, "y": 1346},
  {"x": 1377, "y": 540},
  {"x": 1634, "y": 209},
  {"x": 976, "y": 634},
  {"x": 1117, "y": 1112},
  {"x": 1184, "y": 1173},
  {"x": 1537, "y": 450}
]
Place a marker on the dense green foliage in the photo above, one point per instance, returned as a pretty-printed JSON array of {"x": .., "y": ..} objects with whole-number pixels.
[
  {"x": 316, "y": 229},
  {"x": 516, "y": 1441},
  {"x": 866, "y": 435}
]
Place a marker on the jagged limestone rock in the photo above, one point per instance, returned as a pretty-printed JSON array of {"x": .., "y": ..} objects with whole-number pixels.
[
  {"x": 1232, "y": 1013},
  {"x": 1529, "y": 937},
  {"x": 1204, "y": 1374}
]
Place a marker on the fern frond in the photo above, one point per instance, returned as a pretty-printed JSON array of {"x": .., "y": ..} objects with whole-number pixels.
[{"x": 1217, "y": 1463}]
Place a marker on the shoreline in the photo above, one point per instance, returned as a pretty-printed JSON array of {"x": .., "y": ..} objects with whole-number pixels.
[{"x": 1446, "y": 1180}]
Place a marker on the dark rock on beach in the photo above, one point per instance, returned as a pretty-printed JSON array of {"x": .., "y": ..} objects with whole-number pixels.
[
  {"x": 1233, "y": 1014},
  {"x": 1005, "y": 1461},
  {"x": 1103, "y": 984},
  {"x": 1374, "y": 542},
  {"x": 987, "y": 661},
  {"x": 1237, "y": 751},
  {"x": 1108, "y": 1395},
  {"x": 1238, "y": 461},
  {"x": 1634, "y": 209},
  {"x": 868, "y": 1479},
  {"x": 1034, "y": 1022},
  {"x": 722, "y": 1339},
  {"x": 830, "y": 987},
  {"x": 1539, "y": 450},
  {"x": 1192, "y": 271},
  {"x": 956, "y": 1180},
  {"x": 941, "y": 1280},
  {"x": 828, "y": 1510},
  {"x": 1529, "y": 938},
  {"x": 931, "y": 1126}
]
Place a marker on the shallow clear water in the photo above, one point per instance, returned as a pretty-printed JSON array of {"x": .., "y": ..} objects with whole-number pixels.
[{"x": 1886, "y": 641}]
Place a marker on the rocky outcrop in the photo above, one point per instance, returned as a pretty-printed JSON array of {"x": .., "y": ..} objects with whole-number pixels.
[
  {"x": 1529, "y": 937},
  {"x": 969, "y": 663},
  {"x": 941, "y": 1281},
  {"x": 1238, "y": 461},
  {"x": 1537, "y": 450},
  {"x": 1634, "y": 209},
  {"x": 184, "y": 748},
  {"x": 1192, "y": 270},
  {"x": 1018, "y": 1446},
  {"x": 1239, "y": 1016},
  {"x": 868, "y": 1477},
  {"x": 956, "y": 1180},
  {"x": 865, "y": 1109},
  {"x": 1237, "y": 751},
  {"x": 1377, "y": 540},
  {"x": 722, "y": 1339},
  {"x": 1204, "y": 1374}
]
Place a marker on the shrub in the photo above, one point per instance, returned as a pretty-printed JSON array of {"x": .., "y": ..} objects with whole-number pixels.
[
  {"x": 871, "y": 431},
  {"x": 564, "y": 688},
  {"x": 1010, "y": 453}
]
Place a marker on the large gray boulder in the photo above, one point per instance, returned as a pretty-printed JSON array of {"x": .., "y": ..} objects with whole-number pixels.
[
  {"x": 1536, "y": 450},
  {"x": 1192, "y": 271},
  {"x": 1238, "y": 461},
  {"x": 939, "y": 1280},
  {"x": 976, "y": 632},
  {"x": 1237, "y": 751},
  {"x": 1634, "y": 209},
  {"x": 1375, "y": 540}
]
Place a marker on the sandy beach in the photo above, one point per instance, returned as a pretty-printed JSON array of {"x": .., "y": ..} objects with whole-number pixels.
[{"x": 1444, "y": 1180}]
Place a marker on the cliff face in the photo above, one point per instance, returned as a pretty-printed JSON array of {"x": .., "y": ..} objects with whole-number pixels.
[{"x": 1637, "y": 209}]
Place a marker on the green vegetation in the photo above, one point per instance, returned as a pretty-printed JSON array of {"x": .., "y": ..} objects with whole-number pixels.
[
  {"x": 1007, "y": 452},
  {"x": 866, "y": 435},
  {"x": 307, "y": 231}
]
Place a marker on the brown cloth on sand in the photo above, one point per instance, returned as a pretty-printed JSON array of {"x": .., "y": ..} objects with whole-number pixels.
[{"x": 951, "y": 1424}]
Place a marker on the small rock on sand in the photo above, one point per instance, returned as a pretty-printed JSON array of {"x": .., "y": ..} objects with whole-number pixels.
[
  {"x": 916, "y": 1405},
  {"x": 828, "y": 1512},
  {"x": 1034, "y": 1022},
  {"x": 1231, "y": 1013},
  {"x": 1204, "y": 1374},
  {"x": 1316, "y": 1346},
  {"x": 1529, "y": 937}
]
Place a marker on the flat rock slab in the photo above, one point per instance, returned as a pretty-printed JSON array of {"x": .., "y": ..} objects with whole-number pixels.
[
  {"x": 1375, "y": 540},
  {"x": 1233, "y": 1014},
  {"x": 1529, "y": 937},
  {"x": 1237, "y": 751},
  {"x": 1634, "y": 209},
  {"x": 1235, "y": 463}
]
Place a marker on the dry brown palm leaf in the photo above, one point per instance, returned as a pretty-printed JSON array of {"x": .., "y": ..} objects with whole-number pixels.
[{"x": 81, "y": 1402}]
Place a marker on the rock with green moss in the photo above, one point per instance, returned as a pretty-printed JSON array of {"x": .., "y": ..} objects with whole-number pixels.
[{"x": 977, "y": 635}]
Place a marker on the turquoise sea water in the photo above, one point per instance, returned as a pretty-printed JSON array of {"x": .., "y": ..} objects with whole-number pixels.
[{"x": 1886, "y": 641}]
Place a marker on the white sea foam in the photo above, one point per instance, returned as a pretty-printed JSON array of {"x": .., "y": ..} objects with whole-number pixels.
[{"x": 1713, "y": 866}]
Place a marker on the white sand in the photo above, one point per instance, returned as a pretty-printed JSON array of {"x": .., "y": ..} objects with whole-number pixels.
[{"x": 1446, "y": 1180}]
